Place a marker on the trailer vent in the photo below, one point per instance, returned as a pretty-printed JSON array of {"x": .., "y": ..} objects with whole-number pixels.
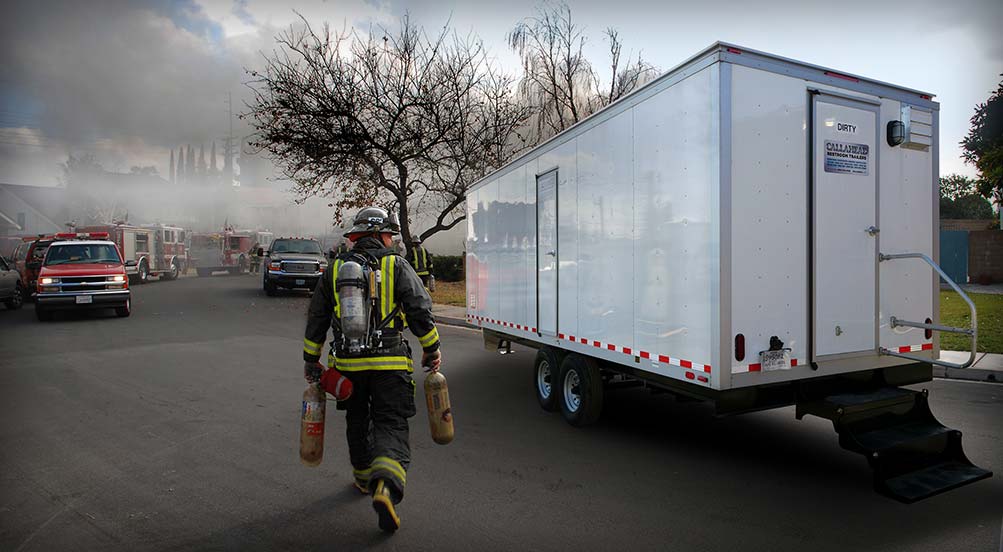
[{"x": 918, "y": 128}]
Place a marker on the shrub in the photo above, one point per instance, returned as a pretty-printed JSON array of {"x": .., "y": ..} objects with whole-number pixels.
[{"x": 448, "y": 268}]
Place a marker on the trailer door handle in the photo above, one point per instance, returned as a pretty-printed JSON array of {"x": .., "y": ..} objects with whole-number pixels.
[{"x": 872, "y": 230}]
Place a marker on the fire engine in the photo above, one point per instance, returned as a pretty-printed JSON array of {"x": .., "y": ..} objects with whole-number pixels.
[
  {"x": 159, "y": 250},
  {"x": 220, "y": 251},
  {"x": 83, "y": 271}
]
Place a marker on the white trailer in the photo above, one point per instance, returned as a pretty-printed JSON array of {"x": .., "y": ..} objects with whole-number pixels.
[{"x": 746, "y": 229}]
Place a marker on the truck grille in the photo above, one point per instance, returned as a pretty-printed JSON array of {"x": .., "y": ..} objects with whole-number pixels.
[
  {"x": 81, "y": 283},
  {"x": 304, "y": 268}
]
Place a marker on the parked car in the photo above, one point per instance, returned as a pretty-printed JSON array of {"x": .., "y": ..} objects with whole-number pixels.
[
  {"x": 28, "y": 260},
  {"x": 11, "y": 290}
]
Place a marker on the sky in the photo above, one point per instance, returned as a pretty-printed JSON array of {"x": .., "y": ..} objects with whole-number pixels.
[{"x": 127, "y": 80}]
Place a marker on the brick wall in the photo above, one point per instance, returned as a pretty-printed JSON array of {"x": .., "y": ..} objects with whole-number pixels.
[
  {"x": 965, "y": 224},
  {"x": 985, "y": 256}
]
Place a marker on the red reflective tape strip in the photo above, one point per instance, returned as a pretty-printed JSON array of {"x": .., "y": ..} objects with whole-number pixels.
[
  {"x": 560, "y": 336},
  {"x": 844, "y": 77},
  {"x": 663, "y": 358},
  {"x": 905, "y": 349},
  {"x": 690, "y": 375},
  {"x": 571, "y": 337},
  {"x": 706, "y": 368},
  {"x": 927, "y": 346},
  {"x": 685, "y": 364},
  {"x": 596, "y": 344},
  {"x": 703, "y": 379},
  {"x": 611, "y": 347},
  {"x": 626, "y": 350},
  {"x": 755, "y": 367},
  {"x": 645, "y": 354},
  {"x": 583, "y": 340},
  {"x": 534, "y": 330},
  {"x": 794, "y": 362}
]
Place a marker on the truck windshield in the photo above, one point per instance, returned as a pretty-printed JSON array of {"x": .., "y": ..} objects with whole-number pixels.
[
  {"x": 82, "y": 253},
  {"x": 296, "y": 246}
]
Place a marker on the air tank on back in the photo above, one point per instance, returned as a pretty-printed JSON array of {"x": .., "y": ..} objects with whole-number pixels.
[{"x": 354, "y": 303}]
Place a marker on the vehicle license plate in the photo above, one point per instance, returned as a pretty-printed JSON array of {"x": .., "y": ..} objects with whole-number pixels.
[
  {"x": 300, "y": 282},
  {"x": 775, "y": 360},
  {"x": 84, "y": 299}
]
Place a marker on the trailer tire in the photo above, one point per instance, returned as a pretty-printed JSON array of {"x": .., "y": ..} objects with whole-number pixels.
[
  {"x": 546, "y": 374},
  {"x": 580, "y": 390}
]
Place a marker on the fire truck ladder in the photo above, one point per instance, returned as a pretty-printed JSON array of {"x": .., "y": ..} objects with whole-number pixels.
[{"x": 912, "y": 454}]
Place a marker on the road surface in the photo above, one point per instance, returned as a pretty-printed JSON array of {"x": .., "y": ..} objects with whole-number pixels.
[{"x": 176, "y": 429}]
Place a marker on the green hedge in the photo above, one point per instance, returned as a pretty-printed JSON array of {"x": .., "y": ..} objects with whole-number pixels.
[{"x": 448, "y": 268}]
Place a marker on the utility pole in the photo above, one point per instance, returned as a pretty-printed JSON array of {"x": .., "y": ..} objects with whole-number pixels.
[{"x": 229, "y": 153}]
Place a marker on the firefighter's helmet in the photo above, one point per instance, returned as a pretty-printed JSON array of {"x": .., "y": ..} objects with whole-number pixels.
[{"x": 374, "y": 219}]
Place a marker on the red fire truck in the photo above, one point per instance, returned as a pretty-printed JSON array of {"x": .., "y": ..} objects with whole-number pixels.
[
  {"x": 159, "y": 250},
  {"x": 220, "y": 251}
]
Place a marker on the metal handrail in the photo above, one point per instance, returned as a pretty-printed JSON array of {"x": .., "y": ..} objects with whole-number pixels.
[{"x": 971, "y": 332}]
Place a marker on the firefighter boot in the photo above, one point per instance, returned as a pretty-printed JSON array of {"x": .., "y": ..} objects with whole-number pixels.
[{"x": 384, "y": 506}]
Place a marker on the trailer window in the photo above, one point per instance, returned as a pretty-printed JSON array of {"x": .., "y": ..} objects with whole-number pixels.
[{"x": 142, "y": 243}]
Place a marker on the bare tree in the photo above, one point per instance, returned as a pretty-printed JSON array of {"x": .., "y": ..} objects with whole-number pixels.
[
  {"x": 558, "y": 81},
  {"x": 400, "y": 119}
]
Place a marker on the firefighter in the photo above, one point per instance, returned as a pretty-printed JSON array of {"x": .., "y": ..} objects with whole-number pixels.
[
  {"x": 383, "y": 388},
  {"x": 253, "y": 259},
  {"x": 421, "y": 260},
  {"x": 335, "y": 252}
]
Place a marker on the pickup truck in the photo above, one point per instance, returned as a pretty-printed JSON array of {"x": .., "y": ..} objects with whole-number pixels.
[
  {"x": 83, "y": 271},
  {"x": 292, "y": 263}
]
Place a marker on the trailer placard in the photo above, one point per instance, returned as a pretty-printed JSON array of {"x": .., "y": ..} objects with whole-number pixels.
[{"x": 846, "y": 158}]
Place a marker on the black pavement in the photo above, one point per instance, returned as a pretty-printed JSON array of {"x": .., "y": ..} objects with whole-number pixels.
[{"x": 176, "y": 429}]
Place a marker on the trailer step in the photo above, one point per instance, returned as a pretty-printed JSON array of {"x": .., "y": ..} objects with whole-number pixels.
[
  {"x": 912, "y": 454},
  {"x": 938, "y": 478}
]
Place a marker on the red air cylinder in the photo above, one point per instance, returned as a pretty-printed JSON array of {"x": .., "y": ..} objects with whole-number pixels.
[
  {"x": 312, "y": 425},
  {"x": 440, "y": 415}
]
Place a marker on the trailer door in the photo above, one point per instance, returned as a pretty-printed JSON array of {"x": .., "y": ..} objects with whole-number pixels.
[
  {"x": 546, "y": 252},
  {"x": 845, "y": 246}
]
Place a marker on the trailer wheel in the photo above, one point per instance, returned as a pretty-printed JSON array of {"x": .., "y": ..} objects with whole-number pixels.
[
  {"x": 580, "y": 390},
  {"x": 546, "y": 374}
]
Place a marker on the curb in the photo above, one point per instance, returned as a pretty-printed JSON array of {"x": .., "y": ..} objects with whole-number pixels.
[
  {"x": 968, "y": 374},
  {"x": 451, "y": 321}
]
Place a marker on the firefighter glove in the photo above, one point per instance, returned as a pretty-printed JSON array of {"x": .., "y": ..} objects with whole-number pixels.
[
  {"x": 432, "y": 360},
  {"x": 312, "y": 371}
]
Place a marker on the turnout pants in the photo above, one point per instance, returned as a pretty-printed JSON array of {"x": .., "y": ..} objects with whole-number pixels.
[{"x": 377, "y": 419}]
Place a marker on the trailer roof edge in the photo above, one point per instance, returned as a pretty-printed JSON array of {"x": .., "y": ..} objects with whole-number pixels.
[{"x": 731, "y": 53}]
